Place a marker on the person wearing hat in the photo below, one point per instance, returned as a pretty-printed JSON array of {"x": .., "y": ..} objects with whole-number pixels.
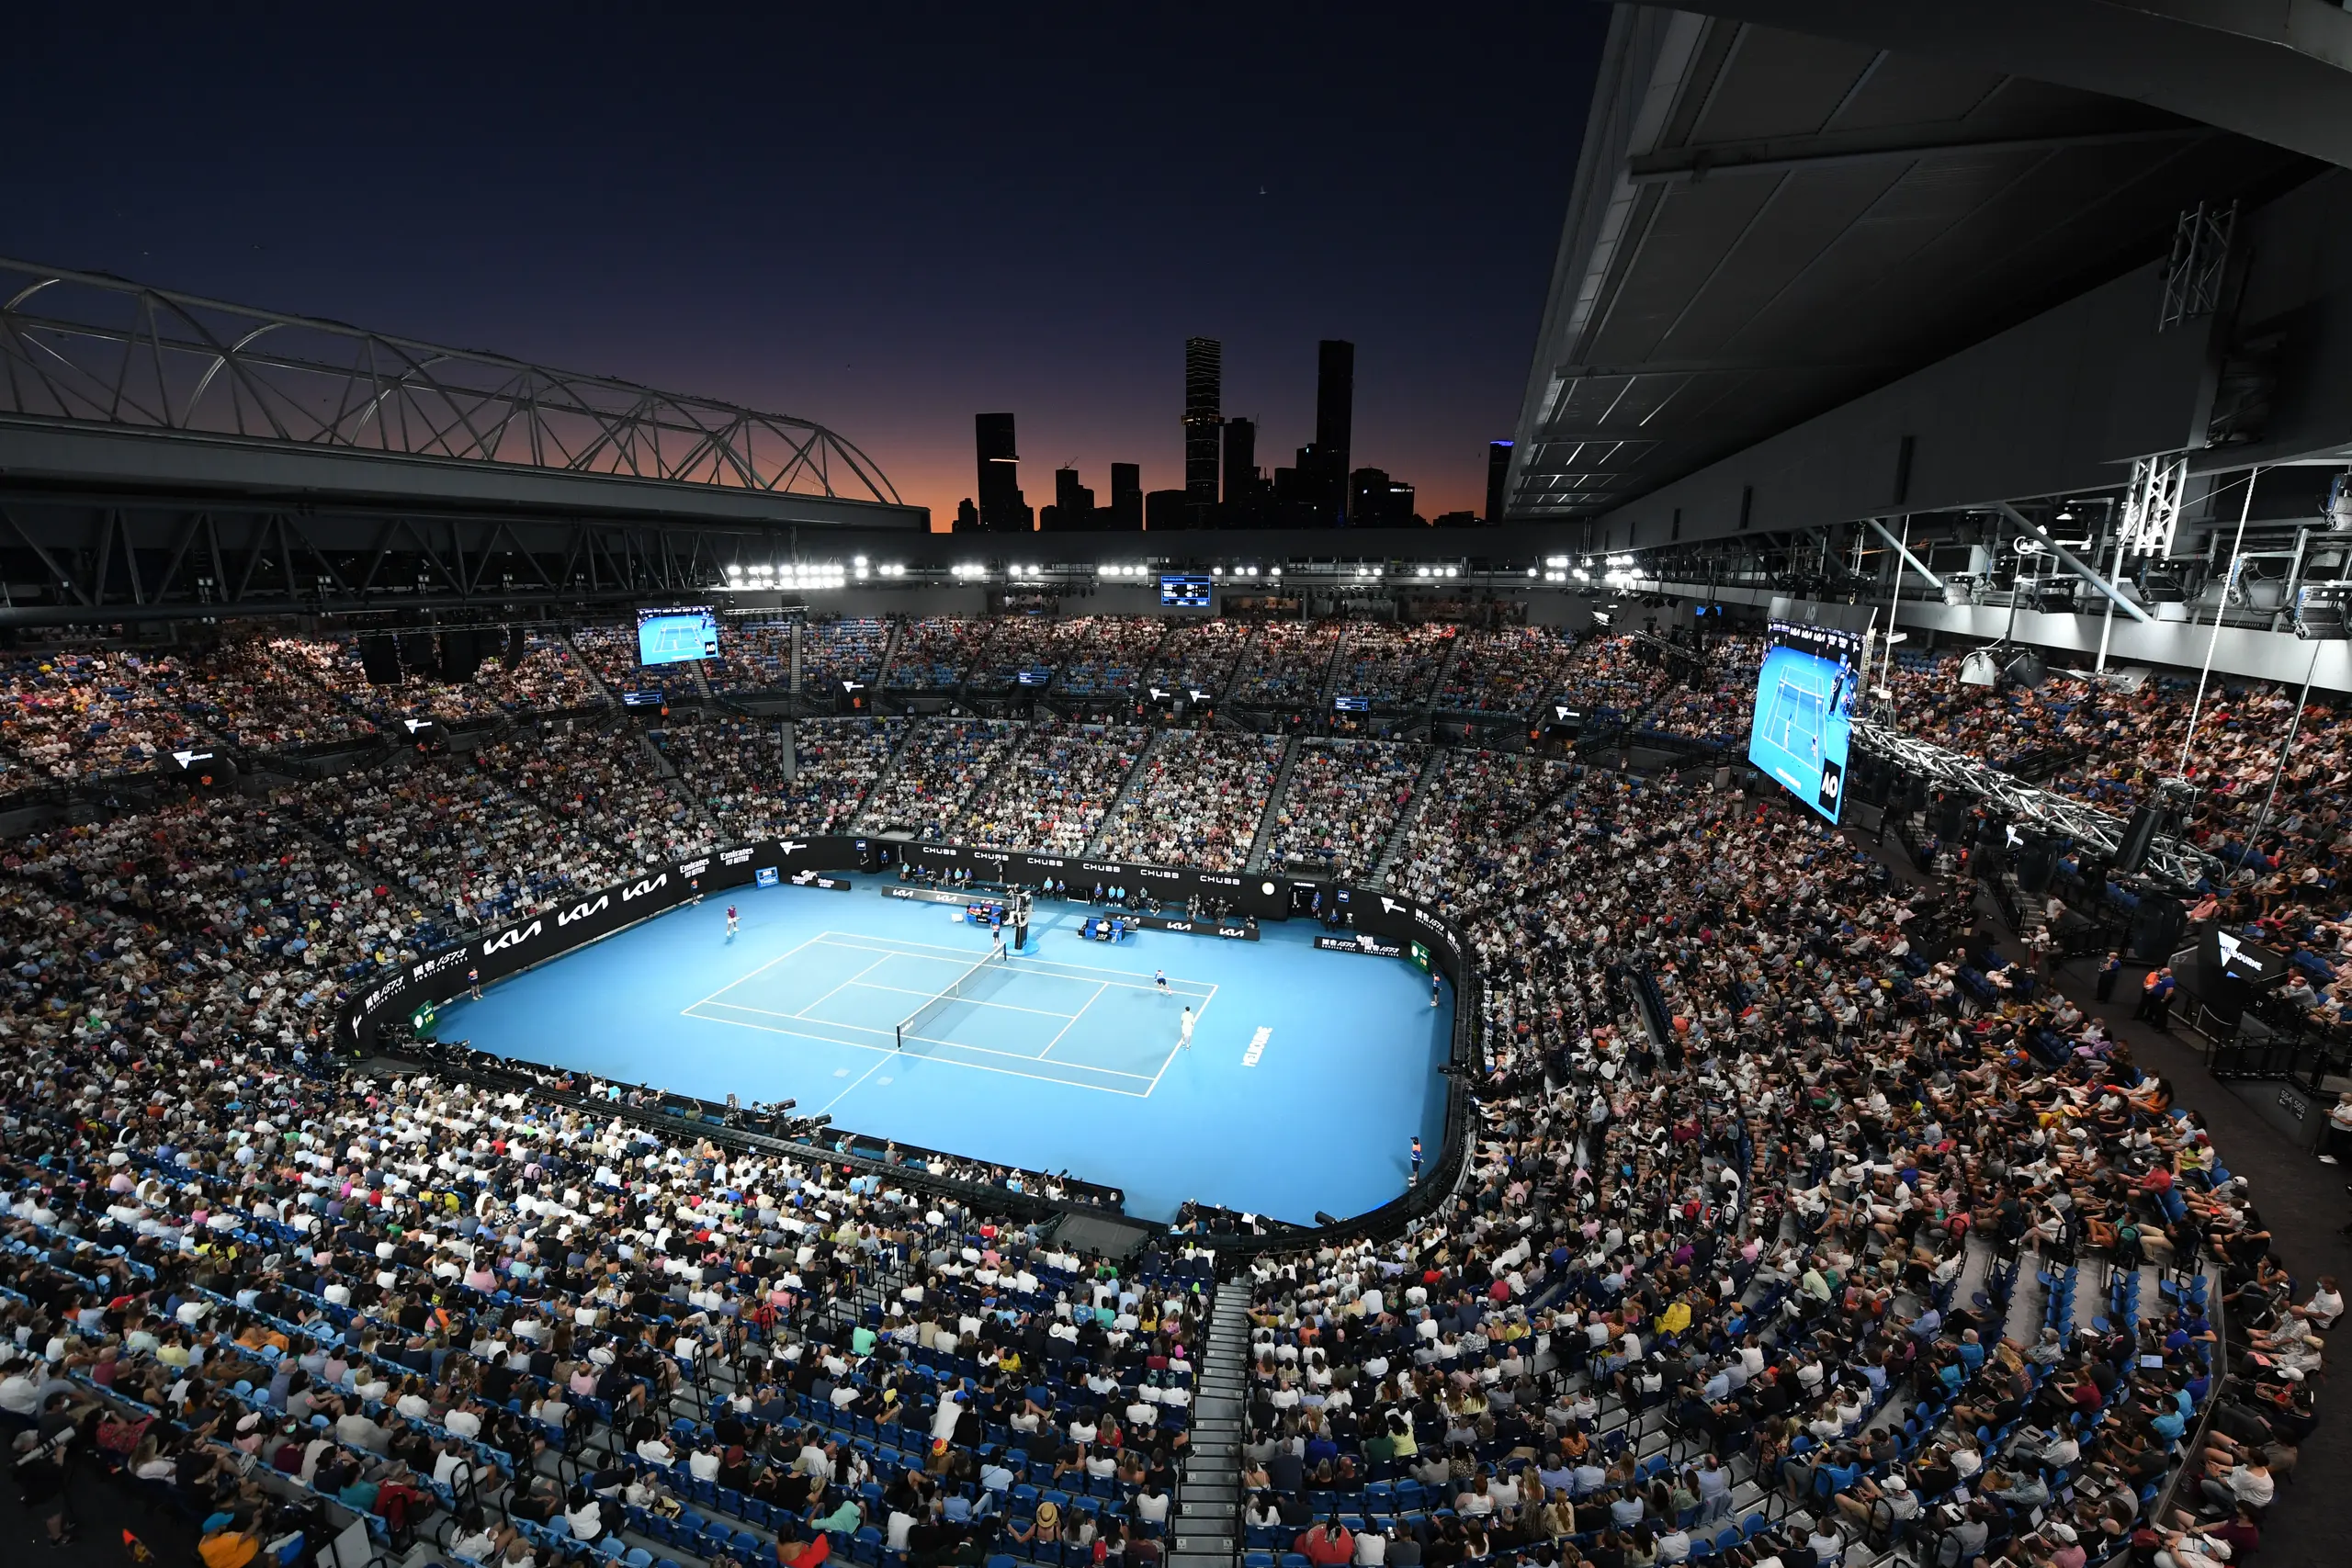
[
  {"x": 229, "y": 1543},
  {"x": 1863, "y": 1500}
]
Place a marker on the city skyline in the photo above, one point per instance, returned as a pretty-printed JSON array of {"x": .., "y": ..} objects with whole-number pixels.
[{"x": 867, "y": 250}]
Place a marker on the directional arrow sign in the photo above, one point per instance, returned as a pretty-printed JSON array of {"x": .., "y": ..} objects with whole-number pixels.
[{"x": 189, "y": 759}]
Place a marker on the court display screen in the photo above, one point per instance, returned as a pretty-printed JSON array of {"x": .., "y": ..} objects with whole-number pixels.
[
  {"x": 1185, "y": 592},
  {"x": 673, "y": 636},
  {"x": 1804, "y": 698}
]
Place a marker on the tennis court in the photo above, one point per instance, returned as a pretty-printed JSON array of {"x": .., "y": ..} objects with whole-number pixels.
[
  {"x": 1089, "y": 1026},
  {"x": 1309, "y": 1075}
]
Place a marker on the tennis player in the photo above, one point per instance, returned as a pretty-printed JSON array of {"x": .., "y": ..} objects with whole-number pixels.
[
  {"x": 731, "y": 921},
  {"x": 1159, "y": 982}
]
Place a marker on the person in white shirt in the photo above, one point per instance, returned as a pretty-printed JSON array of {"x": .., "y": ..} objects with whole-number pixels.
[{"x": 2325, "y": 1307}]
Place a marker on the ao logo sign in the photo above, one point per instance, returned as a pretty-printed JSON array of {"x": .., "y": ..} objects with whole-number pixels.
[
  {"x": 787, "y": 847},
  {"x": 509, "y": 937}
]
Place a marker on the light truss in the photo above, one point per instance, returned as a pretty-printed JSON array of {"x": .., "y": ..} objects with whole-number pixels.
[
  {"x": 89, "y": 348},
  {"x": 2151, "y": 502},
  {"x": 2028, "y": 805}
]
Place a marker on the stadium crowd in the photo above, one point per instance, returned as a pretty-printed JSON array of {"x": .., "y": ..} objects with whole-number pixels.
[
  {"x": 1790, "y": 1230},
  {"x": 1507, "y": 669},
  {"x": 1198, "y": 800},
  {"x": 1342, "y": 804},
  {"x": 1052, "y": 792}
]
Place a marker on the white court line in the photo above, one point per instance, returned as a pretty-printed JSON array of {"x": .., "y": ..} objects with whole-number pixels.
[
  {"x": 854, "y": 1083},
  {"x": 1164, "y": 1061},
  {"x": 975, "y": 1066},
  {"x": 845, "y": 985},
  {"x": 862, "y": 1028},
  {"x": 1099, "y": 989},
  {"x": 969, "y": 1001},
  {"x": 748, "y": 973}
]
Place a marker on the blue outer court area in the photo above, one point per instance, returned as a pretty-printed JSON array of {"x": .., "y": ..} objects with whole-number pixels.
[{"x": 1309, "y": 1074}]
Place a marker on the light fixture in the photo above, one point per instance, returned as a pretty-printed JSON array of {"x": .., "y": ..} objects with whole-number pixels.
[{"x": 1273, "y": 571}]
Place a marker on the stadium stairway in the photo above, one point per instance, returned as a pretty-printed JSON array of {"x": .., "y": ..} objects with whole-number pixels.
[
  {"x": 1245, "y": 660},
  {"x": 580, "y": 664},
  {"x": 1208, "y": 1527},
  {"x": 1427, "y": 699},
  {"x": 889, "y": 652},
  {"x": 1257, "y": 860},
  {"x": 881, "y": 784},
  {"x": 1110, "y": 813},
  {"x": 1331, "y": 669},
  {"x": 1407, "y": 818}
]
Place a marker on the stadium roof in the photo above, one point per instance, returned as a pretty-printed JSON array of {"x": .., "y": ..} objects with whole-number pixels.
[{"x": 1766, "y": 224}]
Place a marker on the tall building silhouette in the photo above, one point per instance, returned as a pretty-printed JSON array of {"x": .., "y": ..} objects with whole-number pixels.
[
  {"x": 1243, "y": 489},
  {"x": 1073, "y": 507},
  {"x": 1335, "y": 398},
  {"x": 1204, "y": 422},
  {"x": 1126, "y": 511},
  {"x": 1498, "y": 471},
  {"x": 1001, "y": 509}
]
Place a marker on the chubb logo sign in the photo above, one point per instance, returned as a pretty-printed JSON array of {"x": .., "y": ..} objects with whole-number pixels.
[
  {"x": 581, "y": 911},
  {"x": 640, "y": 889},
  {"x": 507, "y": 939}
]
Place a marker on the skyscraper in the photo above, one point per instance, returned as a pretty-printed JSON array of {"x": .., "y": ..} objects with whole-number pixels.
[
  {"x": 1126, "y": 511},
  {"x": 1334, "y": 399},
  {"x": 1073, "y": 507},
  {"x": 1497, "y": 470},
  {"x": 1001, "y": 509},
  {"x": 1204, "y": 420},
  {"x": 1243, "y": 486}
]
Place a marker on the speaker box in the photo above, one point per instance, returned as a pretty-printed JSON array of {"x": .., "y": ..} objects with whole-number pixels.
[
  {"x": 381, "y": 659},
  {"x": 1951, "y": 815},
  {"x": 518, "y": 643},
  {"x": 2137, "y": 837},
  {"x": 2156, "y": 926},
  {"x": 418, "y": 656},
  {"x": 2035, "y": 864},
  {"x": 461, "y": 653}
]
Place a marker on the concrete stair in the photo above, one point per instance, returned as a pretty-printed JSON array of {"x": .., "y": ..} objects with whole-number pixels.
[
  {"x": 1257, "y": 859},
  {"x": 1430, "y": 772},
  {"x": 1205, "y": 1529},
  {"x": 1093, "y": 849}
]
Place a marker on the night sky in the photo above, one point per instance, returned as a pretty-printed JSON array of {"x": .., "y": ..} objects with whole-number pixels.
[{"x": 884, "y": 221}]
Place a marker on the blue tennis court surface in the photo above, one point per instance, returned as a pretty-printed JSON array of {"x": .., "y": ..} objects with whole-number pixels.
[{"x": 1308, "y": 1076}]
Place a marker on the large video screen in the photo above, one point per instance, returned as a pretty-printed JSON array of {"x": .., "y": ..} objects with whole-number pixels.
[
  {"x": 673, "y": 637},
  {"x": 1804, "y": 703},
  {"x": 1185, "y": 592}
]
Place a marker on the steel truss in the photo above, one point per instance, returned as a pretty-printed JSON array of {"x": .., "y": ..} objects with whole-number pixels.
[
  {"x": 89, "y": 348},
  {"x": 73, "y": 562},
  {"x": 2030, "y": 807}
]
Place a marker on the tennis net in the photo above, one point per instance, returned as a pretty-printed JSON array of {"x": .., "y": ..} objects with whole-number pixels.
[{"x": 909, "y": 1027}]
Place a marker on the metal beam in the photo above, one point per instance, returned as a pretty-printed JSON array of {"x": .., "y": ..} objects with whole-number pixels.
[
  {"x": 207, "y": 383},
  {"x": 1798, "y": 154},
  {"x": 2033, "y": 531},
  {"x": 1905, "y": 551},
  {"x": 2028, "y": 804}
]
